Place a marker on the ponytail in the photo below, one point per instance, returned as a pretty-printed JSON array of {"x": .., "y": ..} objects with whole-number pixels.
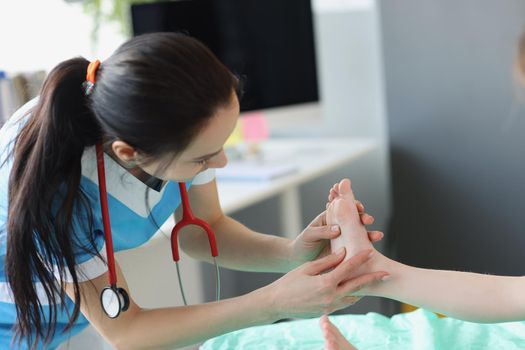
[{"x": 44, "y": 189}]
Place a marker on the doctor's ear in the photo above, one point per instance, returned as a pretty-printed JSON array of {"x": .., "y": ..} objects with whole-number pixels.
[{"x": 126, "y": 153}]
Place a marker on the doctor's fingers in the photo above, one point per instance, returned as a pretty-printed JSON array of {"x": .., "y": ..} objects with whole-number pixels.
[
  {"x": 314, "y": 234},
  {"x": 346, "y": 268},
  {"x": 323, "y": 264},
  {"x": 375, "y": 236},
  {"x": 354, "y": 285},
  {"x": 367, "y": 219}
]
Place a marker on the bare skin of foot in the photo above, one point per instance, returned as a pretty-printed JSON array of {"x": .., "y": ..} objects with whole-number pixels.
[
  {"x": 333, "y": 338},
  {"x": 342, "y": 211}
]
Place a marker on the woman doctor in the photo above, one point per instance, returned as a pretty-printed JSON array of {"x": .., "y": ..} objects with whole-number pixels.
[{"x": 163, "y": 106}]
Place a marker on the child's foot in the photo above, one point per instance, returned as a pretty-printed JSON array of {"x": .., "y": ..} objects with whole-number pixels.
[
  {"x": 342, "y": 211},
  {"x": 365, "y": 218},
  {"x": 334, "y": 340}
]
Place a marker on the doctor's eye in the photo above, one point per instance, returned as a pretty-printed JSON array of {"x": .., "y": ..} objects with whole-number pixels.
[{"x": 201, "y": 162}]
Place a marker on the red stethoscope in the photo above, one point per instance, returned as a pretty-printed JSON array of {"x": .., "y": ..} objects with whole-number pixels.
[{"x": 113, "y": 299}]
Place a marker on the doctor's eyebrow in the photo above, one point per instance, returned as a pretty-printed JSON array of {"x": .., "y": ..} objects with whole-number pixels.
[{"x": 207, "y": 156}]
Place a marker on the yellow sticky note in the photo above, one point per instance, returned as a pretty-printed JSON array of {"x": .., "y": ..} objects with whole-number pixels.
[{"x": 235, "y": 137}]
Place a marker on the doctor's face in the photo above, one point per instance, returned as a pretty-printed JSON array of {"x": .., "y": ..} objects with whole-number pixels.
[{"x": 205, "y": 151}]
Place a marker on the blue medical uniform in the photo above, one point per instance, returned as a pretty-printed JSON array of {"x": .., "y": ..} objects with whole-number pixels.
[{"x": 132, "y": 222}]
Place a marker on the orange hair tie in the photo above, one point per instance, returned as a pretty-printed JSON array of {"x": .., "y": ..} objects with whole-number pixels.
[{"x": 92, "y": 71}]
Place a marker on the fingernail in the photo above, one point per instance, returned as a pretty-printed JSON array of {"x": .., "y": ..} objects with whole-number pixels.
[
  {"x": 340, "y": 251},
  {"x": 385, "y": 278},
  {"x": 334, "y": 228},
  {"x": 371, "y": 255}
]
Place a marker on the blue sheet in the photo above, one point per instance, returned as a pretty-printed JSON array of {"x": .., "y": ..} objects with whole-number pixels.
[{"x": 421, "y": 330}]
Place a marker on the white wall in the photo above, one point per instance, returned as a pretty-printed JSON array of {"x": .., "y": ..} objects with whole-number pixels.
[{"x": 37, "y": 34}]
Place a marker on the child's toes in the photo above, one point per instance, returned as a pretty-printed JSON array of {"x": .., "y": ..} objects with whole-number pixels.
[{"x": 345, "y": 187}]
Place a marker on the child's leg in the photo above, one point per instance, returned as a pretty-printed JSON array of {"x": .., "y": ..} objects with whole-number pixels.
[
  {"x": 467, "y": 296},
  {"x": 343, "y": 212},
  {"x": 334, "y": 340}
]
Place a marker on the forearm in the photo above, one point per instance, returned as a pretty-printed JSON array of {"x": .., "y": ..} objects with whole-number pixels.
[
  {"x": 239, "y": 247},
  {"x": 170, "y": 328},
  {"x": 467, "y": 296}
]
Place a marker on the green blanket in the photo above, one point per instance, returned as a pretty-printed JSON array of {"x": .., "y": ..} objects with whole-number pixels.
[{"x": 421, "y": 330}]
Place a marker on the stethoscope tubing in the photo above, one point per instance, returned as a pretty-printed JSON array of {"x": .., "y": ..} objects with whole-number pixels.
[
  {"x": 217, "y": 282},
  {"x": 189, "y": 219},
  {"x": 108, "y": 238}
]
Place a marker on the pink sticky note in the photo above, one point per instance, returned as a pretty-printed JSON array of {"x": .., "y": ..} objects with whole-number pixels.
[{"x": 254, "y": 127}]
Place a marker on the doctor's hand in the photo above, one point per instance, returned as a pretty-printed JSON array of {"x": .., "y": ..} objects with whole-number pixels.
[
  {"x": 321, "y": 286},
  {"x": 314, "y": 241}
]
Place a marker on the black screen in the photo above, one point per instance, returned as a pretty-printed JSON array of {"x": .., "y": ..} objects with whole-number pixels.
[{"x": 269, "y": 43}]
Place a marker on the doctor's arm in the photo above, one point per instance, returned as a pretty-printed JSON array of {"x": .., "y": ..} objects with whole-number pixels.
[
  {"x": 167, "y": 328},
  {"x": 303, "y": 292},
  {"x": 241, "y": 248}
]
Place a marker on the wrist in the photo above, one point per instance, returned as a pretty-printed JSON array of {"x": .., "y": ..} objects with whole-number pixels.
[
  {"x": 295, "y": 258},
  {"x": 292, "y": 261},
  {"x": 267, "y": 300}
]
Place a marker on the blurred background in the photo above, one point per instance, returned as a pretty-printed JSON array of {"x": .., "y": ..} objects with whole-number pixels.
[{"x": 430, "y": 84}]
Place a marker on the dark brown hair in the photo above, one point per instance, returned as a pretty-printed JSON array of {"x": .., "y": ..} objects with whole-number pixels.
[{"x": 155, "y": 92}]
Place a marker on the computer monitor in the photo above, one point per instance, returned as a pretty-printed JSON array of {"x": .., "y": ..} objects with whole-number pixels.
[{"x": 269, "y": 43}]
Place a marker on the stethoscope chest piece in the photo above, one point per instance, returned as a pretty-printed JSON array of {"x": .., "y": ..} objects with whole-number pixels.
[{"x": 114, "y": 301}]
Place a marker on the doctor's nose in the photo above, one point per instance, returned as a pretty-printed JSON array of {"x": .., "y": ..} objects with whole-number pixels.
[{"x": 219, "y": 161}]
